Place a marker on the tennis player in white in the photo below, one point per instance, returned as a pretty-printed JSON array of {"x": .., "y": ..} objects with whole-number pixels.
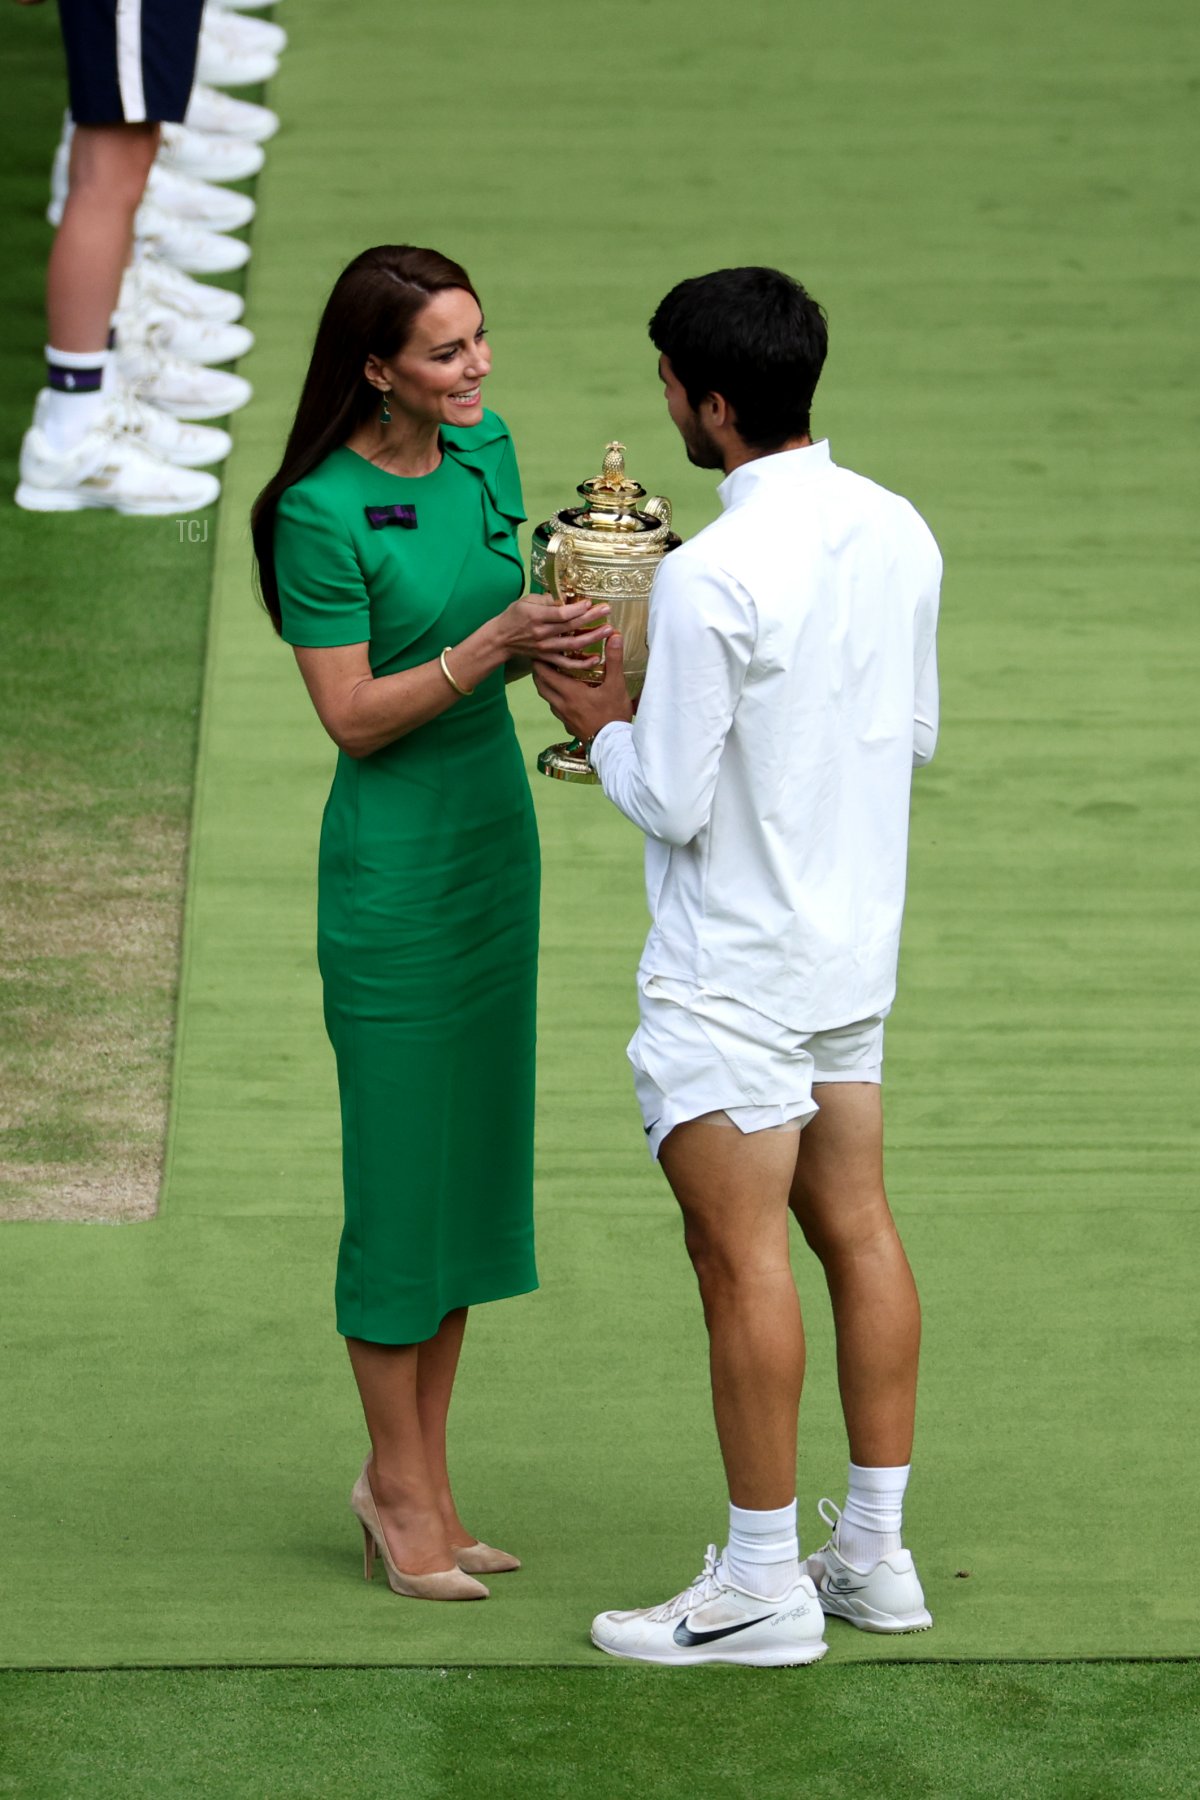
[{"x": 791, "y": 689}]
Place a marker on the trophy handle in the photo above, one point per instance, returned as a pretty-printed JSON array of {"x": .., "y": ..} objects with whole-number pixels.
[
  {"x": 659, "y": 507},
  {"x": 557, "y": 573}
]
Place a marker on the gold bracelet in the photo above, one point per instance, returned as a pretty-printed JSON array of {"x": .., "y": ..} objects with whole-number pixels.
[{"x": 449, "y": 677}]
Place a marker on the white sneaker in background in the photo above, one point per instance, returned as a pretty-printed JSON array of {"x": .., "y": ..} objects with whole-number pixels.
[
  {"x": 186, "y": 390},
  {"x": 196, "y": 340},
  {"x": 714, "y": 1621},
  {"x": 886, "y": 1597},
  {"x": 218, "y": 64},
  {"x": 199, "y": 202},
  {"x": 208, "y": 155},
  {"x": 189, "y": 247},
  {"x": 210, "y": 110},
  {"x": 59, "y": 175},
  {"x": 173, "y": 440},
  {"x": 246, "y": 37},
  {"x": 150, "y": 282},
  {"x": 107, "y": 468}
]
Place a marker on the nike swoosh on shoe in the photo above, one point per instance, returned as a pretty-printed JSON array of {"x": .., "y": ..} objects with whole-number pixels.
[{"x": 684, "y": 1635}]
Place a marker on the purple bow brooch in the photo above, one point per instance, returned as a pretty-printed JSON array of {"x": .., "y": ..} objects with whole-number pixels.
[{"x": 379, "y": 516}]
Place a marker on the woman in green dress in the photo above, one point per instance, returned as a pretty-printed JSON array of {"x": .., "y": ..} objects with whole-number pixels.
[{"x": 387, "y": 553}]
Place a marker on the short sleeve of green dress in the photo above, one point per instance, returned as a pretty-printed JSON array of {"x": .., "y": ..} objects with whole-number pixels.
[{"x": 428, "y": 889}]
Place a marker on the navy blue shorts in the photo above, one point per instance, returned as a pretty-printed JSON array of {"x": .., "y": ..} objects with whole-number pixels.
[{"x": 130, "y": 61}]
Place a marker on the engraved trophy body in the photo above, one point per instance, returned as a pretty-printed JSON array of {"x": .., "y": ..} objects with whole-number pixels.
[{"x": 606, "y": 549}]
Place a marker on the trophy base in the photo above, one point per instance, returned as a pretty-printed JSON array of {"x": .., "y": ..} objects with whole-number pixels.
[{"x": 567, "y": 762}]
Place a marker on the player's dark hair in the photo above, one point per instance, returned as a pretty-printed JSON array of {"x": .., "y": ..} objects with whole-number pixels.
[
  {"x": 372, "y": 310},
  {"x": 755, "y": 337}
]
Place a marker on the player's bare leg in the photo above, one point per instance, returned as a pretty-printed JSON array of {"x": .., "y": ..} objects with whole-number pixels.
[
  {"x": 839, "y": 1200},
  {"x": 755, "y": 1603},
  {"x": 864, "y": 1574},
  {"x": 733, "y": 1190}
]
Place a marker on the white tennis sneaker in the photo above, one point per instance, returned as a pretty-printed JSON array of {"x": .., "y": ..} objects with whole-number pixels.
[
  {"x": 186, "y": 390},
  {"x": 208, "y": 155},
  {"x": 196, "y": 340},
  {"x": 150, "y": 282},
  {"x": 106, "y": 468},
  {"x": 209, "y": 109},
  {"x": 244, "y": 36},
  {"x": 60, "y": 179},
  {"x": 176, "y": 441},
  {"x": 715, "y": 1622},
  {"x": 886, "y": 1597},
  {"x": 218, "y": 64},
  {"x": 200, "y": 202},
  {"x": 189, "y": 247}
]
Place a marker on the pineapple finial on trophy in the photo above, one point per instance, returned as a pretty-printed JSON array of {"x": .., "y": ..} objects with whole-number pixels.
[{"x": 613, "y": 474}]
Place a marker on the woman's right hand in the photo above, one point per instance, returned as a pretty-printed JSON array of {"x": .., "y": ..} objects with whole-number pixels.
[{"x": 547, "y": 632}]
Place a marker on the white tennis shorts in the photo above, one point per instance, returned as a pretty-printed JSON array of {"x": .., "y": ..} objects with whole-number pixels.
[{"x": 695, "y": 1053}]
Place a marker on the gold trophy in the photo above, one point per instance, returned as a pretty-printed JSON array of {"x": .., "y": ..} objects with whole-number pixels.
[{"x": 607, "y": 549}]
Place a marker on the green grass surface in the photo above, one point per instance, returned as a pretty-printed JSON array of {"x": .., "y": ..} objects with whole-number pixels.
[
  {"x": 1073, "y": 1733},
  {"x": 993, "y": 209},
  {"x": 103, "y": 631}
]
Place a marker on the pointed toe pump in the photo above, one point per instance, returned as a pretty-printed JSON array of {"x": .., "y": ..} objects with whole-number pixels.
[
  {"x": 442, "y": 1584},
  {"x": 484, "y": 1559}
]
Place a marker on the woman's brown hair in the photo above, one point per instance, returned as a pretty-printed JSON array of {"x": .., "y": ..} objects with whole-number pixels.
[{"x": 371, "y": 310}]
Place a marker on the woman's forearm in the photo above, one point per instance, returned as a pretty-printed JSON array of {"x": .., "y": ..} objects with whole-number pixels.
[{"x": 383, "y": 708}]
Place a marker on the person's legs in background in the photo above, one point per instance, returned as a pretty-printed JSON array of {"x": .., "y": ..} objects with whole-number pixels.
[{"x": 109, "y": 167}]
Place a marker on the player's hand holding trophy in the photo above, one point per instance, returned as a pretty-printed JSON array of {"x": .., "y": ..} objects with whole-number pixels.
[{"x": 606, "y": 549}]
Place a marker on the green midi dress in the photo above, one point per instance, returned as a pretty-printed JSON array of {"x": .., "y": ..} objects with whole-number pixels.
[{"x": 428, "y": 889}]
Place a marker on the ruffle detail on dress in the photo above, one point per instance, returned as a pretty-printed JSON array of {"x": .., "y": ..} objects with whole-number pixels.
[{"x": 487, "y": 450}]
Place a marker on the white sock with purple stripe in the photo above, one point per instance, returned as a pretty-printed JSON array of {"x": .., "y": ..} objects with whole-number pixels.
[{"x": 74, "y": 381}]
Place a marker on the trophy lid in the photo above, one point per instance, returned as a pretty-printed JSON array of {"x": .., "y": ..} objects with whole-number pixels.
[{"x": 611, "y": 498}]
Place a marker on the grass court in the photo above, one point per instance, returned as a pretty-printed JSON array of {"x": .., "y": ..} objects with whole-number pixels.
[{"x": 993, "y": 205}]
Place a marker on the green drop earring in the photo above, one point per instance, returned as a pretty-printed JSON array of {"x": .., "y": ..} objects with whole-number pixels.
[{"x": 385, "y": 411}]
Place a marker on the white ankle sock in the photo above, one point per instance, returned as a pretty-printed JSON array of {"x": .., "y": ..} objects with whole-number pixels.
[
  {"x": 72, "y": 410},
  {"x": 763, "y": 1552},
  {"x": 872, "y": 1518}
]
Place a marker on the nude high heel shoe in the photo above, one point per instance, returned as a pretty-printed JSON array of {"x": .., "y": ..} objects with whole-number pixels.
[
  {"x": 482, "y": 1559},
  {"x": 443, "y": 1584}
]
